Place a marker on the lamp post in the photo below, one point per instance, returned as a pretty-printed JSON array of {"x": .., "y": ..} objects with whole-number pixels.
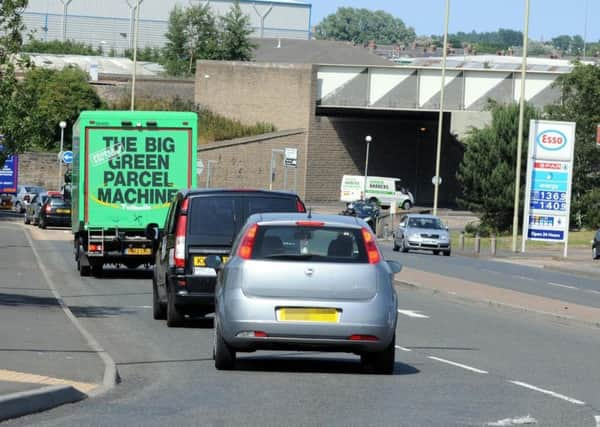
[
  {"x": 368, "y": 140},
  {"x": 62, "y": 125},
  {"x": 135, "y": 40},
  {"x": 520, "y": 131}
]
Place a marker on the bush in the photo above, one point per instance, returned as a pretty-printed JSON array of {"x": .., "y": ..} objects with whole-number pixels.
[
  {"x": 68, "y": 47},
  {"x": 585, "y": 210}
]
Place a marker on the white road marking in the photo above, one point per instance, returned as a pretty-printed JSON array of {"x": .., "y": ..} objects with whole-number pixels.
[
  {"x": 460, "y": 365},
  {"x": 597, "y": 418},
  {"x": 593, "y": 291},
  {"x": 560, "y": 285},
  {"x": 490, "y": 271},
  {"x": 403, "y": 348},
  {"x": 525, "y": 278},
  {"x": 138, "y": 306},
  {"x": 514, "y": 421},
  {"x": 412, "y": 313},
  {"x": 548, "y": 392}
]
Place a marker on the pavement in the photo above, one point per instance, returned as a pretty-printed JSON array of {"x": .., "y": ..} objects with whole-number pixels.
[{"x": 46, "y": 357}]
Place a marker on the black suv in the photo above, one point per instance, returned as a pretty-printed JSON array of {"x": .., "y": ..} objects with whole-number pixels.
[{"x": 202, "y": 223}]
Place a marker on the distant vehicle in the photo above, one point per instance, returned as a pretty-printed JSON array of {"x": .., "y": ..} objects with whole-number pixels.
[
  {"x": 5, "y": 201},
  {"x": 24, "y": 195},
  {"x": 202, "y": 223},
  {"x": 384, "y": 191},
  {"x": 127, "y": 166},
  {"x": 368, "y": 212},
  {"x": 32, "y": 212},
  {"x": 596, "y": 246},
  {"x": 419, "y": 231},
  {"x": 296, "y": 282},
  {"x": 55, "y": 211}
]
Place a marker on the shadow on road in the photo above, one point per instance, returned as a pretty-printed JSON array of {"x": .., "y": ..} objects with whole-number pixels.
[
  {"x": 311, "y": 365},
  {"x": 159, "y": 362},
  {"x": 14, "y": 300},
  {"x": 126, "y": 273},
  {"x": 95, "y": 311}
]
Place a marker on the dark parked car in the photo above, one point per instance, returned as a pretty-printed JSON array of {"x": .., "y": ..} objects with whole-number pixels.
[
  {"x": 596, "y": 245},
  {"x": 32, "y": 211},
  {"x": 202, "y": 223},
  {"x": 55, "y": 211},
  {"x": 367, "y": 211}
]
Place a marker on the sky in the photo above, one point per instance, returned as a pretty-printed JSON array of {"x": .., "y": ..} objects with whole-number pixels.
[{"x": 548, "y": 18}]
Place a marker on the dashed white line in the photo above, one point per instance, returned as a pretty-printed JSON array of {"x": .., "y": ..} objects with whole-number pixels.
[
  {"x": 514, "y": 421},
  {"x": 403, "y": 348},
  {"x": 525, "y": 278},
  {"x": 548, "y": 392},
  {"x": 460, "y": 365},
  {"x": 597, "y": 418},
  {"x": 412, "y": 313},
  {"x": 560, "y": 285},
  {"x": 593, "y": 291}
]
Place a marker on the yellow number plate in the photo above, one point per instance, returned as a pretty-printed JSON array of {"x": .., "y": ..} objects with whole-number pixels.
[
  {"x": 138, "y": 251},
  {"x": 200, "y": 261},
  {"x": 65, "y": 211},
  {"x": 323, "y": 315}
]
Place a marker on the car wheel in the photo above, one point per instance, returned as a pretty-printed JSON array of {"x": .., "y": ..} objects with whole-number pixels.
[
  {"x": 595, "y": 252},
  {"x": 26, "y": 219},
  {"x": 18, "y": 207},
  {"x": 436, "y": 252},
  {"x": 396, "y": 248},
  {"x": 404, "y": 248},
  {"x": 158, "y": 308},
  {"x": 224, "y": 355},
  {"x": 174, "y": 316},
  {"x": 447, "y": 253},
  {"x": 406, "y": 205},
  {"x": 42, "y": 223},
  {"x": 381, "y": 362}
]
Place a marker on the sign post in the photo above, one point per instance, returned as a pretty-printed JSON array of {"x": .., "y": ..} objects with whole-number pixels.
[{"x": 548, "y": 186}]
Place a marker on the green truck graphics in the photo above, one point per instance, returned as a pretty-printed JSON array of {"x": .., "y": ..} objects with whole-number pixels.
[{"x": 127, "y": 167}]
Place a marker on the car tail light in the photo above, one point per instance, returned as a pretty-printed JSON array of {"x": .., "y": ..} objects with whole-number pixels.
[
  {"x": 363, "y": 338},
  {"x": 48, "y": 209},
  {"x": 245, "y": 251},
  {"x": 300, "y": 206},
  {"x": 180, "y": 237},
  {"x": 310, "y": 223},
  {"x": 370, "y": 246}
]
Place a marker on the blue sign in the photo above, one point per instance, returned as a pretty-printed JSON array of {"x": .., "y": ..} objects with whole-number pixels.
[
  {"x": 557, "y": 235},
  {"x": 68, "y": 157},
  {"x": 9, "y": 175}
]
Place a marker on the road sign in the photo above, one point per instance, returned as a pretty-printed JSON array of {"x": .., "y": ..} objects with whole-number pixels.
[
  {"x": 291, "y": 157},
  {"x": 548, "y": 187},
  {"x": 199, "y": 167},
  {"x": 67, "y": 157},
  {"x": 9, "y": 175}
]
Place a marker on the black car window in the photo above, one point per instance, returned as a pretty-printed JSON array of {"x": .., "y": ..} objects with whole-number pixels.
[
  {"x": 57, "y": 201},
  {"x": 398, "y": 185},
  {"x": 271, "y": 204},
  {"x": 212, "y": 216},
  {"x": 318, "y": 244}
]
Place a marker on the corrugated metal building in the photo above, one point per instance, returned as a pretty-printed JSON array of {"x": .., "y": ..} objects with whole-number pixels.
[{"x": 109, "y": 23}]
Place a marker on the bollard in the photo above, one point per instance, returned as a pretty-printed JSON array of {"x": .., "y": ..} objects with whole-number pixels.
[
  {"x": 461, "y": 241},
  {"x": 493, "y": 244},
  {"x": 477, "y": 243}
]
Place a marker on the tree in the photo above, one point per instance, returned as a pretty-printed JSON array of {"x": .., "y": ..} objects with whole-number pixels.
[
  {"x": 363, "y": 25},
  {"x": 11, "y": 26},
  {"x": 562, "y": 43},
  {"x": 235, "y": 42},
  {"x": 487, "y": 170},
  {"x": 175, "y": 54},
  {"x": 201, "y": 35},
  {"x": 581, "y": 91}
]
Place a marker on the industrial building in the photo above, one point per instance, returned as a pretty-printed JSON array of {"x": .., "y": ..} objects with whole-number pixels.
[{"x": 110, "y": 23}]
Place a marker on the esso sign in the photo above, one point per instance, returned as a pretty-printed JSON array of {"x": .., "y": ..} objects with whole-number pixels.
[{"x": 551, "y": 140}]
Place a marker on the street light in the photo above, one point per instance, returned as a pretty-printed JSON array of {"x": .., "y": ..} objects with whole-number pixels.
[
  {"x": 368, "y": 140},
  {"x": 62, "y": 125},
  {"x": 135, "y": 39}
]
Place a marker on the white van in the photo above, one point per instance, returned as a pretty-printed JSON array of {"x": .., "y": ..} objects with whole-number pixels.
[{"x": 387, "y": 191}]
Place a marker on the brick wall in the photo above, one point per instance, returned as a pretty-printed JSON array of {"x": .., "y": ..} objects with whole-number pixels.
[
  {"x": 246, "y": 162},
  {"x": 113, "y": 90},
  {"x": 39, "y": 169},
  {"x": 256, "y": 92}
]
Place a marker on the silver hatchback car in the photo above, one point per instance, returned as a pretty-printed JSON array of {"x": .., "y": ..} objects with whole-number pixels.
[
  {"x": 420, "y": 231},
  {"x": 302, "y": 282}
]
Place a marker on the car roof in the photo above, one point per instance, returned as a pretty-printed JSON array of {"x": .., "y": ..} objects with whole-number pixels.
[
  {"x": 414, "y": 215},
  {"x": 292, "y": 217},
  {"x": 211, "y": 191}
]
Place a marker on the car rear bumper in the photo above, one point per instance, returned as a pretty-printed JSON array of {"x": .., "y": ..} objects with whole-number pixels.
[{"x": 57, "y": 220}]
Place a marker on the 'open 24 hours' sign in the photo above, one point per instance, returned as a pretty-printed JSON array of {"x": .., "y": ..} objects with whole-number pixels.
[{"x": 548, "y": 186}]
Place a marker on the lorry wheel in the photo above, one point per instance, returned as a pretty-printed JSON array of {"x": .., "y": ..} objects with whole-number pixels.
[
  {"x": 158, "y": 308},
  {"x": 84, "y": 270},
  {"x": 97, "y": 270},
  {"x": 406, "y": 205},
  {"x": 174, "y": 316}
]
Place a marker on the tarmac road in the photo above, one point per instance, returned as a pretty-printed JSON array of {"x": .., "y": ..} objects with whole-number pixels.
[{"x": 458, "y": 363}]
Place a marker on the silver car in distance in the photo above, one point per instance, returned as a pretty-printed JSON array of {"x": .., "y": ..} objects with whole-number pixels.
[{"x": 307, "y": 283}]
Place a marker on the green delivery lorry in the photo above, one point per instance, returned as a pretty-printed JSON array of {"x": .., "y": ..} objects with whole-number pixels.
[{"x": 127, "y": 166}]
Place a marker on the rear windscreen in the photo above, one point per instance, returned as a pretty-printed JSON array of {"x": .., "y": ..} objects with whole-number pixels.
[
  {"x": 58, "y": 201},
  {"x": 320, "y": 244},
  {"x": 212, "y": 216},
  {"x": 270, "y": 204}
]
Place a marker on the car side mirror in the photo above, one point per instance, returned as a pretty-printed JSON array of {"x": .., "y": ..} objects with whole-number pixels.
[
  {"x": 152, "y": 232},
  {"x": 214, "y": 261},
  {"x": 396, "y": 267}
]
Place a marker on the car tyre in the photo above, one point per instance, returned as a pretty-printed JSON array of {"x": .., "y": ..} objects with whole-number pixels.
[
  {"x": 42, "y": 223},
  {"x": 404, "y": 248},
  {"x": 174, "y": 316},
  {"x": 18, "y": 208},
  {"x": 436, "y": 252},
  {"x": 26, "y": 219},
  {"x": 396, "y": 248},
  {"x": 158, "y": 308},
  {"x": 406, "y": 205},
  {"x": 382, "y": 362},
  {"x": 223, "y": 354},
  {"x": 447, "y": 253}
]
